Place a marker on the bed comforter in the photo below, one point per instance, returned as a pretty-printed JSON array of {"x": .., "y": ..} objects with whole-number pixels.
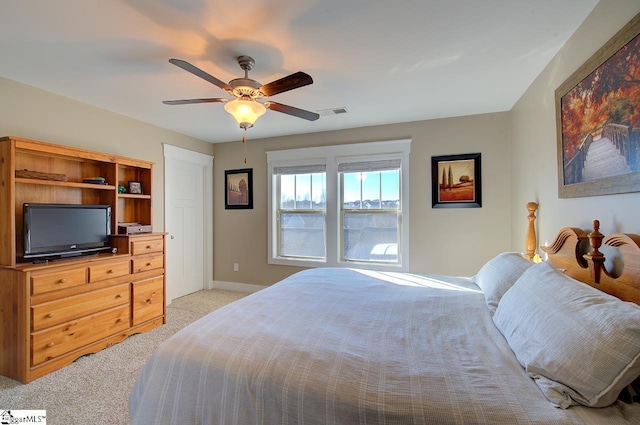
[{"x": 345, "y": 346}]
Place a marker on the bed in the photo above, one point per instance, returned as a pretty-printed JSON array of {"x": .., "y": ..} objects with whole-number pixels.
[{"x": 518, "y": 343}]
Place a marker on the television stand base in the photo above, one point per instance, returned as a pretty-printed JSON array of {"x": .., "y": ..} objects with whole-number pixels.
[{"x": 62, "y": 257}]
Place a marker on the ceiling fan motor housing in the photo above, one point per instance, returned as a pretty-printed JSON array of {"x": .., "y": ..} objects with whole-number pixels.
[
  {"x": 246, "y": 87},
  {"x": 246, "y": 62}
]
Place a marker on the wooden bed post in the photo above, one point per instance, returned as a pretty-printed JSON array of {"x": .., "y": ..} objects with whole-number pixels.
[
  {"x": 595, "y": 257},
  {"x": 531, "y": 240}
]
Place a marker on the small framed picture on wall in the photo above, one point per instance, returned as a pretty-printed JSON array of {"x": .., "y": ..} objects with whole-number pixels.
[
  {"x": 456, "y": 181},
  {"x": 238, "y": 189}
]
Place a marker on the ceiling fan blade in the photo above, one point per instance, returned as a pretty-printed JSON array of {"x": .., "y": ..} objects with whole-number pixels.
[
  {"x": 296, "y": 112},
  {"x": 200, "y": 73},
  {"x": 290, "y": 82},
  {"x": 189, "y": 101}
]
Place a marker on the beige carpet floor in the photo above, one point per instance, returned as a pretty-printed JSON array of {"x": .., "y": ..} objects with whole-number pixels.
[{"x": 95, "y": 388}]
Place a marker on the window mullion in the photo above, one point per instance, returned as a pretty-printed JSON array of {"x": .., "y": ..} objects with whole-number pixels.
[{"x": 380, "y": 189}]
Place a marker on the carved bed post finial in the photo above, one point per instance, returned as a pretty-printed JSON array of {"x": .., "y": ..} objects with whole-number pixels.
[
  {"x": 595, "y": 257},
  {"x": 531, "y": 240}
]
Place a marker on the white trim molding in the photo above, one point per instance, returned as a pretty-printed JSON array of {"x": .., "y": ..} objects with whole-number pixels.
[{"x": 235, "y": 286}]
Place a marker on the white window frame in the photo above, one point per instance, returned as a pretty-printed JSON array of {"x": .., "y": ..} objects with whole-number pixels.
[
  {"x": 302, "y": 211},
  {"x": 342, "y": 211},
  {"x": 331, "y": 156}
]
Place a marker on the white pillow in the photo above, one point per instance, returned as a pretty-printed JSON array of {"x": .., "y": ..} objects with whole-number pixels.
[
  {"x": 498, "y": 275},
  {"x": 579, "y": 344}
]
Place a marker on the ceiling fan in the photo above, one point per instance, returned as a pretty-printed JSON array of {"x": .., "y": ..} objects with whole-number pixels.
[{"x": 246, "y": 108}]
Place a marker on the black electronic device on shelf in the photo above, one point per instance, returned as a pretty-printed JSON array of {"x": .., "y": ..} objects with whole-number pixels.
[{"x": 54, "y": 231}]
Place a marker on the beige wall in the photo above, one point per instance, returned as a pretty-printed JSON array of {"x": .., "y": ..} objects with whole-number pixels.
[
  {"x": 32, "y": 113},
  {"x": 443, "y": 241},
  {"x": 534, "y": 140},
  {"x": 447, "y": 241},
  {"x": 518, "y": 160}
]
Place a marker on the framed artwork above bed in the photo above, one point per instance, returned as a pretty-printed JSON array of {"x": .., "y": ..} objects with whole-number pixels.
[
  {"x": 456, "y": 181},
  {"x": 598, "y": 120}
]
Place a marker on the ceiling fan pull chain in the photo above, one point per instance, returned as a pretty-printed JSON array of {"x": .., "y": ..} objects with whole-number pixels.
[{"x": 244, "y": 140}]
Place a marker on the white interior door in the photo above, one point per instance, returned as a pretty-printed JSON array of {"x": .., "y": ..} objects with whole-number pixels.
[{"x": 187, "y": 221}]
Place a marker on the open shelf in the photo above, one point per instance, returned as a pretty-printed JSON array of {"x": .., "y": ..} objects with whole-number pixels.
[
  {"x": 65, "y": 184},
  {"x": 38, "y": 172},
  {"x": 134, "y": 196}
]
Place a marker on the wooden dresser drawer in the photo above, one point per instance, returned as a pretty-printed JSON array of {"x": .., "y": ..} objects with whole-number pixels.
[
  {"x": 64, "y": 338},
  {"x": 148, "y": 299},
  {"x": 146, "y": 246},
  {"x": 60, "y": 279},
  {"x": 60, "y": 311},
  {"x": 148, "y": 262},
  {"x": 104, "y": 271}
]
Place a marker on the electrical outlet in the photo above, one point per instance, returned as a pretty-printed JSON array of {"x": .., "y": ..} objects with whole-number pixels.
[{"x": 235, "y": 267}]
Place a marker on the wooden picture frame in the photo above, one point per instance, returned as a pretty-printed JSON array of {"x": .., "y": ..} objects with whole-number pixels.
[
  {"x": 135, "y": 188},
  {"x": 456, "y": 181},
  {"x": 597, "y": 111},
  {"x": 238, "y": 189}
]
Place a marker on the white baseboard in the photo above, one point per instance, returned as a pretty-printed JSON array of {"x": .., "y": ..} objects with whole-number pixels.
[{"x": 235, "y": 286}]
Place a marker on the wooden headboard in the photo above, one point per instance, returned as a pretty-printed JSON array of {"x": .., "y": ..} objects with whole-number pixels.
[{"x": 578, "y": 253}]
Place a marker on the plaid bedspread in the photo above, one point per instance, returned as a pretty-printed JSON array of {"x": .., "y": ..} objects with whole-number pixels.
[{"x": 345, "y": 346}]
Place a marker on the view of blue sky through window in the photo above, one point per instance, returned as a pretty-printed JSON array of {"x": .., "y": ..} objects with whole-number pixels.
[
  {"x": 361, "y": 190},
  {"x": 308, "y": 191},
  {"x": 366, "y": 190}
]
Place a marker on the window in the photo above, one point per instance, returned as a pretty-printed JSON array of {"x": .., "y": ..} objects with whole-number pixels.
[
  {"x": 370, "y": 211},
  {"x": 335, "y": 206},
  {"x": 301, "y": 210}
]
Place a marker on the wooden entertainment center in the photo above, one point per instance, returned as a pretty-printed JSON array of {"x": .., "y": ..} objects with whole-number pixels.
[{"x": 55, "y": 312}]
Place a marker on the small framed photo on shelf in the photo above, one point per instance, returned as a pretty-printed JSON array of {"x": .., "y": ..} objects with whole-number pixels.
[{"x": 135, "y": 187}]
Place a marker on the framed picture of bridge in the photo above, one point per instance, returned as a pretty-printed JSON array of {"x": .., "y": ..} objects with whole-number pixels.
[{"x": 598, "y": 120}]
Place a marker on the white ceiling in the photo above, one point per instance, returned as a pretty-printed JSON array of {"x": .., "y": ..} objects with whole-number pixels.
[{"x": 384, "y": 61}]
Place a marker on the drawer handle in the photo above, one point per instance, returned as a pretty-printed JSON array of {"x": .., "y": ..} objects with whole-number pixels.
[
  {"x": 63, "y": 280},
  {"x": 111, "y": 271},
  {"x": 51, "y": 344},
  {"x": 148, "y": 264},
  {"x": 118, "y": 320},
  {"x": 49, "y": 315},
  {"x": 149, "y": 246},
  {"x": 149, "y": 301},
  {"x": 118, "y": 296}
]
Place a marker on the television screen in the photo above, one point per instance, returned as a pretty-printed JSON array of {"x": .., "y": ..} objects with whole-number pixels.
[{"x": 58, "y": 230}]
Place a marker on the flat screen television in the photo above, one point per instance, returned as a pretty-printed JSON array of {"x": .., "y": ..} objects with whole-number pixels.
[{"x": 54, "y": 231}]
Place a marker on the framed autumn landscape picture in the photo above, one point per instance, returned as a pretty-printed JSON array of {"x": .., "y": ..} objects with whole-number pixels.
[
  {"x": 598, "y": 120},
  {"x": 238, "y": 189},
  {"x": 456, "y": 181}
]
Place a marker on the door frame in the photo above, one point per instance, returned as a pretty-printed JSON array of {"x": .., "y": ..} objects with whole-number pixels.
[{"x": 176, "y": 153}]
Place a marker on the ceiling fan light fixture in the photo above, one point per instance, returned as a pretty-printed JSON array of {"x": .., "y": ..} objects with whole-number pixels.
[
  {"x": 246, "y": 112},
  {"x": 245, "y": 108}
]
